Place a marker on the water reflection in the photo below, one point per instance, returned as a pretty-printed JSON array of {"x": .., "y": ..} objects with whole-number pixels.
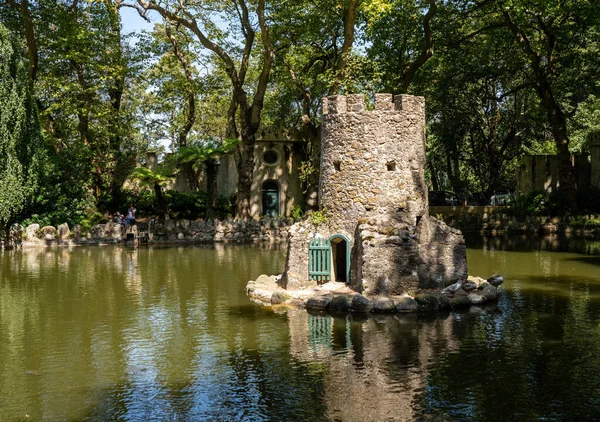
[{"x": 167, "y": 333}]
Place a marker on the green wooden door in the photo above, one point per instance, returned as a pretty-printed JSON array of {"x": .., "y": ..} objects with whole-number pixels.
[
  {"x": 270, "y": 199},
  {"x": 319, "y": 260}
]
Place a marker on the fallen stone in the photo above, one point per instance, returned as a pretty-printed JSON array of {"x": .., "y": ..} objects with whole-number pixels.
[
  {"x": 451, "y": 289},
  {"x": 444, "y": 302},
  {"x": 469, "y": 285},
  {"x": 48, "y": 233},
  {"x": 63, "y": 231},
  {"x": 490, "y": 293},
  {"x": 406, "y": 304},
  {"x": 483, "y": 285},
  {"x": 263, "y": 295},
  {"x": 476, "y": 299},
  {"x": 361, "y": 304},
  {"x": 262, "y": 279},
  {"x": 460, "y": 302},
  {"x": 461, "y": 292},
  {"x": 383, "y": 304},
  {"x": 496, "y": 280},
  {"x": 427, "y": 302},
  {"x": 278, "y": 298},
  {"x": 31, "y": 232},
  {"x": 340, "y": 303},
  {"x": 476, "y": 280},
  {"x": 318, "y": 303}
]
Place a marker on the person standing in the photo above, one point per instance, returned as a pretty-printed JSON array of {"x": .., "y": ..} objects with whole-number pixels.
[{"x": 130, "y": 219}]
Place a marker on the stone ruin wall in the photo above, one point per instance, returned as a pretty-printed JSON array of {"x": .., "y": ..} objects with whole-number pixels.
[{"x": 373, "y": 161}]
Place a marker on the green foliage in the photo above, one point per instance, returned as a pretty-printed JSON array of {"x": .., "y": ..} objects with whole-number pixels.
[
  {"x": 149, "y": 178},
  {"x": 318, "y": 217},
  {"x": 540, "y": 204},
  {"x": 21, "y": 147},
  {"x": 585, "y": 222},
  {"x": 297, "y": 212}
]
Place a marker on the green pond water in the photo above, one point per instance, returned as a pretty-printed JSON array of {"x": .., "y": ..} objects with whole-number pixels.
[{"x": 168, "y": 334}]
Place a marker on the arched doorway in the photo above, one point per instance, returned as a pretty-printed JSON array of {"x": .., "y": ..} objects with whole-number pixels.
[
  {"x": 340, "y": 258},
  {"x": 270, "y": 198}
]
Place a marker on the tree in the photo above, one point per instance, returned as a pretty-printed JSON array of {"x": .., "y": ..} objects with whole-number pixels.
[
  {"x": 21, "y": 145},
  {"x": 208, "y": 155},
  {"x": 550, "y": 36},
  {"x": 244, "y": 108},
  {"x": 156, "y": 180}
]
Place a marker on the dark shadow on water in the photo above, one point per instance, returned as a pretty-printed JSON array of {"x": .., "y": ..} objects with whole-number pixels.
[{"x": 592, "y": 260}]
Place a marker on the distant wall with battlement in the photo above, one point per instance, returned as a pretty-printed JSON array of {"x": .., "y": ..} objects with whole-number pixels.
[{"x": 372, "y": 161}]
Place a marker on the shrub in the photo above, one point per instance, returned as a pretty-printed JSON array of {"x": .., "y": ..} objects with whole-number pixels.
[{"x": 540, "y": 203}]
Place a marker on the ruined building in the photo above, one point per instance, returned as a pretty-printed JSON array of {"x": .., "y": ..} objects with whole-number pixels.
[{"x": 378, "y": 236}]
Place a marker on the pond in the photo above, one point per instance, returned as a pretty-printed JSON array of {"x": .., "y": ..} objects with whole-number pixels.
[{"x": 116, "y": 333}]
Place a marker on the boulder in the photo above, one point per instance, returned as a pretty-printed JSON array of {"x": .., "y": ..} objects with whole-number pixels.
[
  {"x": 16, "y": 233},
  {"x": 461, "y": 292},
  {"x": 31, "y": 232},
  {"x": 476, "y": 299},
  {"x": 427, "y": 302},
  {"x": 48, "y": 233},
  {"x": 96, "y": 231},
  {"x": 262, "y": 295},
  {"x": 490, "y": 293},
  {"x": 496, "y": 280},
  {"x": 77, "y": 230},
  {"x": 340, "y": 303},
  {"x": 279, "y": 297},
  {"x": 483, "y": 285},
  {"x": 383, "y": 304},
  {"x": 476, "y": 280},
  {"x": 443, "y": 301},
  {"x": 319, "y": 302},
  {"x": 406, "y": 304},
  {"x": 451, "y": 289},
  {"x": 63, "y": 231},
  {"x": 262, "y": 279},
  {"x": 361, "y": 304},
  {"x": 460, "y": 302},
  {"x": 469, "y": 285}
]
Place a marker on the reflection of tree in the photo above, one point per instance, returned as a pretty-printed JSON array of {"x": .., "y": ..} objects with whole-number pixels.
[{"x": 536, "y": 360}]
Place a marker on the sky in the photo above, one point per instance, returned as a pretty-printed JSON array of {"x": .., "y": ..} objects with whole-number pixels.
[{"x": 132, "y": 22}]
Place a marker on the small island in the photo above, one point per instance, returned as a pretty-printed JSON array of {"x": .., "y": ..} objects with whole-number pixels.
[{"x": 372, "y": 246}]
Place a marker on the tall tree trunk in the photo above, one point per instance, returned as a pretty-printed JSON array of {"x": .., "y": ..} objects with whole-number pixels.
[
  {"x": 543, "y": 71},
  {"x": 350, "y": 13},
  {"x": 411, "y": 69}
]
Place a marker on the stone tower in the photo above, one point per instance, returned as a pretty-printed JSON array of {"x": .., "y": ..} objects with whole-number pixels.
[
  {"x": 378, "y": 237},
  {"x": 373, "y": 161}
]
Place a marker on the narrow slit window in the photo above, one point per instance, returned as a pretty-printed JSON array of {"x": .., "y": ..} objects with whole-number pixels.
[
  {"x": 391, "y": 166},
  {"x": 337, "y": 165}
]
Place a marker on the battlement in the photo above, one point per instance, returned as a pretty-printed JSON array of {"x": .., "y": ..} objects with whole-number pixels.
[{"x": 355, "y": 103}]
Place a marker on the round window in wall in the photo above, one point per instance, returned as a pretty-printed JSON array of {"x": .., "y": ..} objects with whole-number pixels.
[{"x": 270, "y": 157}]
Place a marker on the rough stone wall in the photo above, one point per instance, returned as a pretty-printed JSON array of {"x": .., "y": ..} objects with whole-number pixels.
[
  {"x": 372, "y": 161},
  {"x": 386, "y": 258},
  {"x": 540, "y": 172},
  {"x": 442, "y": 254},
  {"x": 194, "y": 231}
]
